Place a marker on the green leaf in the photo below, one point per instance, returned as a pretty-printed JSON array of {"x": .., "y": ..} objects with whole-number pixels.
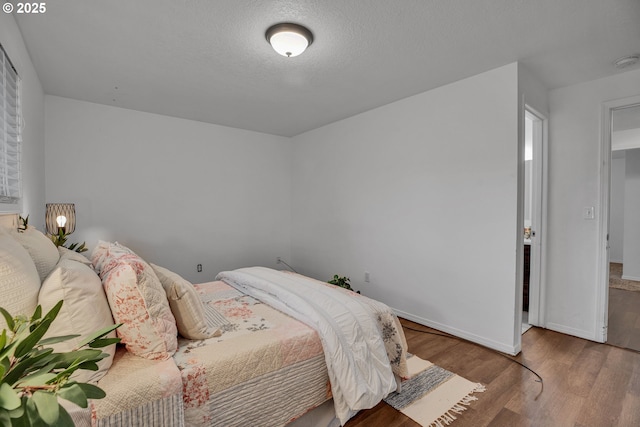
[
  {"x": 64, "y": 360},
  {"x": 5, "y": 419},
  {"x": 37, "y": 314},
  {"x": 20, "y": 421},
  {"x": 47, "y": 406},
  {"x": 103, "y": 342},
  {"x": 51, "y": 314},
  {"x": 8, "y": 318},
  {"x": 74, "y": 394},
  {"x": 20, "y": 410},
  {"x": 65, "y": 419},
  {"x": 34, "y": 418},
  {"x": 23, "y": 366},
  {"x": 92, "y": 391},
  {"x": 99, "y": 334},
  {"x": 89, "y": 366},
  {"x": 36, "y": 379},
  {"x": 9, "y": 399},
  {"x": 7, "y": 351},
  {"x": 30, "y": 342},
  {"x": 5, "y": 363},
  {"x": 55, "y": 340},
  {"x": 3, "y": 339}
]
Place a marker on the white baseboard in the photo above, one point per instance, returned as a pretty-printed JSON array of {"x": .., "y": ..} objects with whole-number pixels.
[
  {"x": 634, "y": 278},
  {"x": 502, "y": 347},
  {"x": 587, "y": 335}
]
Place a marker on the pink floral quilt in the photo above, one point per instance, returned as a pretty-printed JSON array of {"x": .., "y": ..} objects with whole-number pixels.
[{"x": 265, "y": 369}]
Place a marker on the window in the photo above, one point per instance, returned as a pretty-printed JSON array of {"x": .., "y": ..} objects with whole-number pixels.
[{"x": 10, "y": 186}]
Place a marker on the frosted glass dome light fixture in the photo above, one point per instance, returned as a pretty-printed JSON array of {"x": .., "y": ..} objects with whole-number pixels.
[{"x": 289, "y": 39}]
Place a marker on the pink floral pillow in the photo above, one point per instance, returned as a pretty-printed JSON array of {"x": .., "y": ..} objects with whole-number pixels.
[{"x": 138, "y": 301}]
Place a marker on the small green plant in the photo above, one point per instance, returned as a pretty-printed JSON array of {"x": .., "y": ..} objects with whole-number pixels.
[
  {"x": 343, "y": 282},
  {"x": 32, "y": 377},
  {"x": 60, "y": 239},
  {"x": 23, "y": 223}
]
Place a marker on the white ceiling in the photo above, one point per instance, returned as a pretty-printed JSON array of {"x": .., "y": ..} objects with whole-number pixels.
[{"x": 208, "y": 60}]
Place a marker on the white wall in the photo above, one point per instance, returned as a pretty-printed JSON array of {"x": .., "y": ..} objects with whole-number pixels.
[
  {"x": 421, "y": 193},
  {"x": 574, "y": 183},
  {"x": 178, "y": 192},
  {"x": 631, "y": 263},
  {"x": 32, "y": 101},
  {"x": 616, "y": 214}
]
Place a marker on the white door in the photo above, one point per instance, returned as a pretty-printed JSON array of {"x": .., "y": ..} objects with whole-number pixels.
[{"x": 535, "y": 128}]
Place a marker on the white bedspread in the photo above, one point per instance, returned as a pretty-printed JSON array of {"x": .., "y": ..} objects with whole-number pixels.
[{"x": 357, "y": 362}]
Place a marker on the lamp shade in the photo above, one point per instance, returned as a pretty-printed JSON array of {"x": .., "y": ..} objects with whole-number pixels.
[
  {"x": 60, "y": 215},
  {"x": 289, "y": 39}
]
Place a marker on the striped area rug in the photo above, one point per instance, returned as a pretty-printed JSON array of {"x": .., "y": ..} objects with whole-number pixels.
[{"x": 432, "y": 396}]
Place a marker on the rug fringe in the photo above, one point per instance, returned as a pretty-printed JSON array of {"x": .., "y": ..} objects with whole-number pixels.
[{"x": 450, "y": 416}]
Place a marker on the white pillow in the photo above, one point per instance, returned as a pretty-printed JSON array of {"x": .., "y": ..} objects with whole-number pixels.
[
  {"x": 42, "y": 250},
  {"x": 73, "y": 255},
  {"x": 19, "y": 279},
  {"x": 85, "y": 310},
  {"x": 186, "y": 305}
]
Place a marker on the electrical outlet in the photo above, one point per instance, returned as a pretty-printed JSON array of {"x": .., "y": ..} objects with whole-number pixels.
[
  {"x": 199, "y": 268},
  {"x": 367, "y": 277}
]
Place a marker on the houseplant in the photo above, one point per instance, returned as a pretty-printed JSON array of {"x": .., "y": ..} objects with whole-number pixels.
[
  {"x": 341, "y": 281},
  {"x": 59, "y": 239},
  {"x": 33, "y": 377}
]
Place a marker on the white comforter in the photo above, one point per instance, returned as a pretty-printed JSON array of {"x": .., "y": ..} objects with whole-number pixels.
[{"x": 357, "y": 362}]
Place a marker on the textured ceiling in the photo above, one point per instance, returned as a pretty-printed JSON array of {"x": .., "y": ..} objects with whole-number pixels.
[{"x": 208, "y": 60}]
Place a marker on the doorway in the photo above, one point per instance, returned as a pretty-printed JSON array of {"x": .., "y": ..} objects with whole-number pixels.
[
  {"x": 623, "y": 319},
  {"x": 535, "y": 125},
  {"x": 602, "y": 297}
]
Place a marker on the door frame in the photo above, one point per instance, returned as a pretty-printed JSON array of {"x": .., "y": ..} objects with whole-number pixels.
[
  {"x": 538, "y": 217},
  {"x": 602, "y": 295}
]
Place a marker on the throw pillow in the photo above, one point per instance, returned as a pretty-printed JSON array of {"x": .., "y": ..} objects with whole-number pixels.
[
  {"x": 19, "y": 279},
  {"x": 85, "y": 310},
  {"x": 138, "y": 301},
  {"x": 41, "y": 249},
  {"x": 73, "y": 255},
  {"x": 186, "y": 305}
]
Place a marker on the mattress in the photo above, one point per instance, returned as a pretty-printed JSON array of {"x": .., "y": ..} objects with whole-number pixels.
[{"x": 266, "y": 369}]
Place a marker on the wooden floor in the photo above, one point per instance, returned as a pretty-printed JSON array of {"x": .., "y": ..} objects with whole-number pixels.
[
  {"x": 624, "y": 319},
  {"x": 585, "y": 384}
]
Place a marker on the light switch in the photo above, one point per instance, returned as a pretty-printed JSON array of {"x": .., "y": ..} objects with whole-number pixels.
[{"x": 588, "y": 212}]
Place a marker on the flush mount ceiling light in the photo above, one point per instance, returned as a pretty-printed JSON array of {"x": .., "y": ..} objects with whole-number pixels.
[
  {"x": 289, "y": 39},
  {"x": 626, "y": 61}
]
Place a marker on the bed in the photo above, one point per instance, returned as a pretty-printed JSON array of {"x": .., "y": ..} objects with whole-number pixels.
[{"x": 288, "y": 349}]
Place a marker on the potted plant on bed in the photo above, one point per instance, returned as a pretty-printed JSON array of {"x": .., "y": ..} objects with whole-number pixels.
[{"x": 33, "y": 377}]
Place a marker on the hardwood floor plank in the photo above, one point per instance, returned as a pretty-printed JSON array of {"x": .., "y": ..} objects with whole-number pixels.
[
  {"x": 586, "y": 384},
  {"x": 507, "y": 418},
  {"x": 624, "y": 319},
  {"x": 584, "y": 371},
  {"x": 603, "y": 406},
  {"x": 630, "y": 413}
]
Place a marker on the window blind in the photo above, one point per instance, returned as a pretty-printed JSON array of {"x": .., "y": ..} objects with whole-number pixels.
[{"x": 10, "y": 139}]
